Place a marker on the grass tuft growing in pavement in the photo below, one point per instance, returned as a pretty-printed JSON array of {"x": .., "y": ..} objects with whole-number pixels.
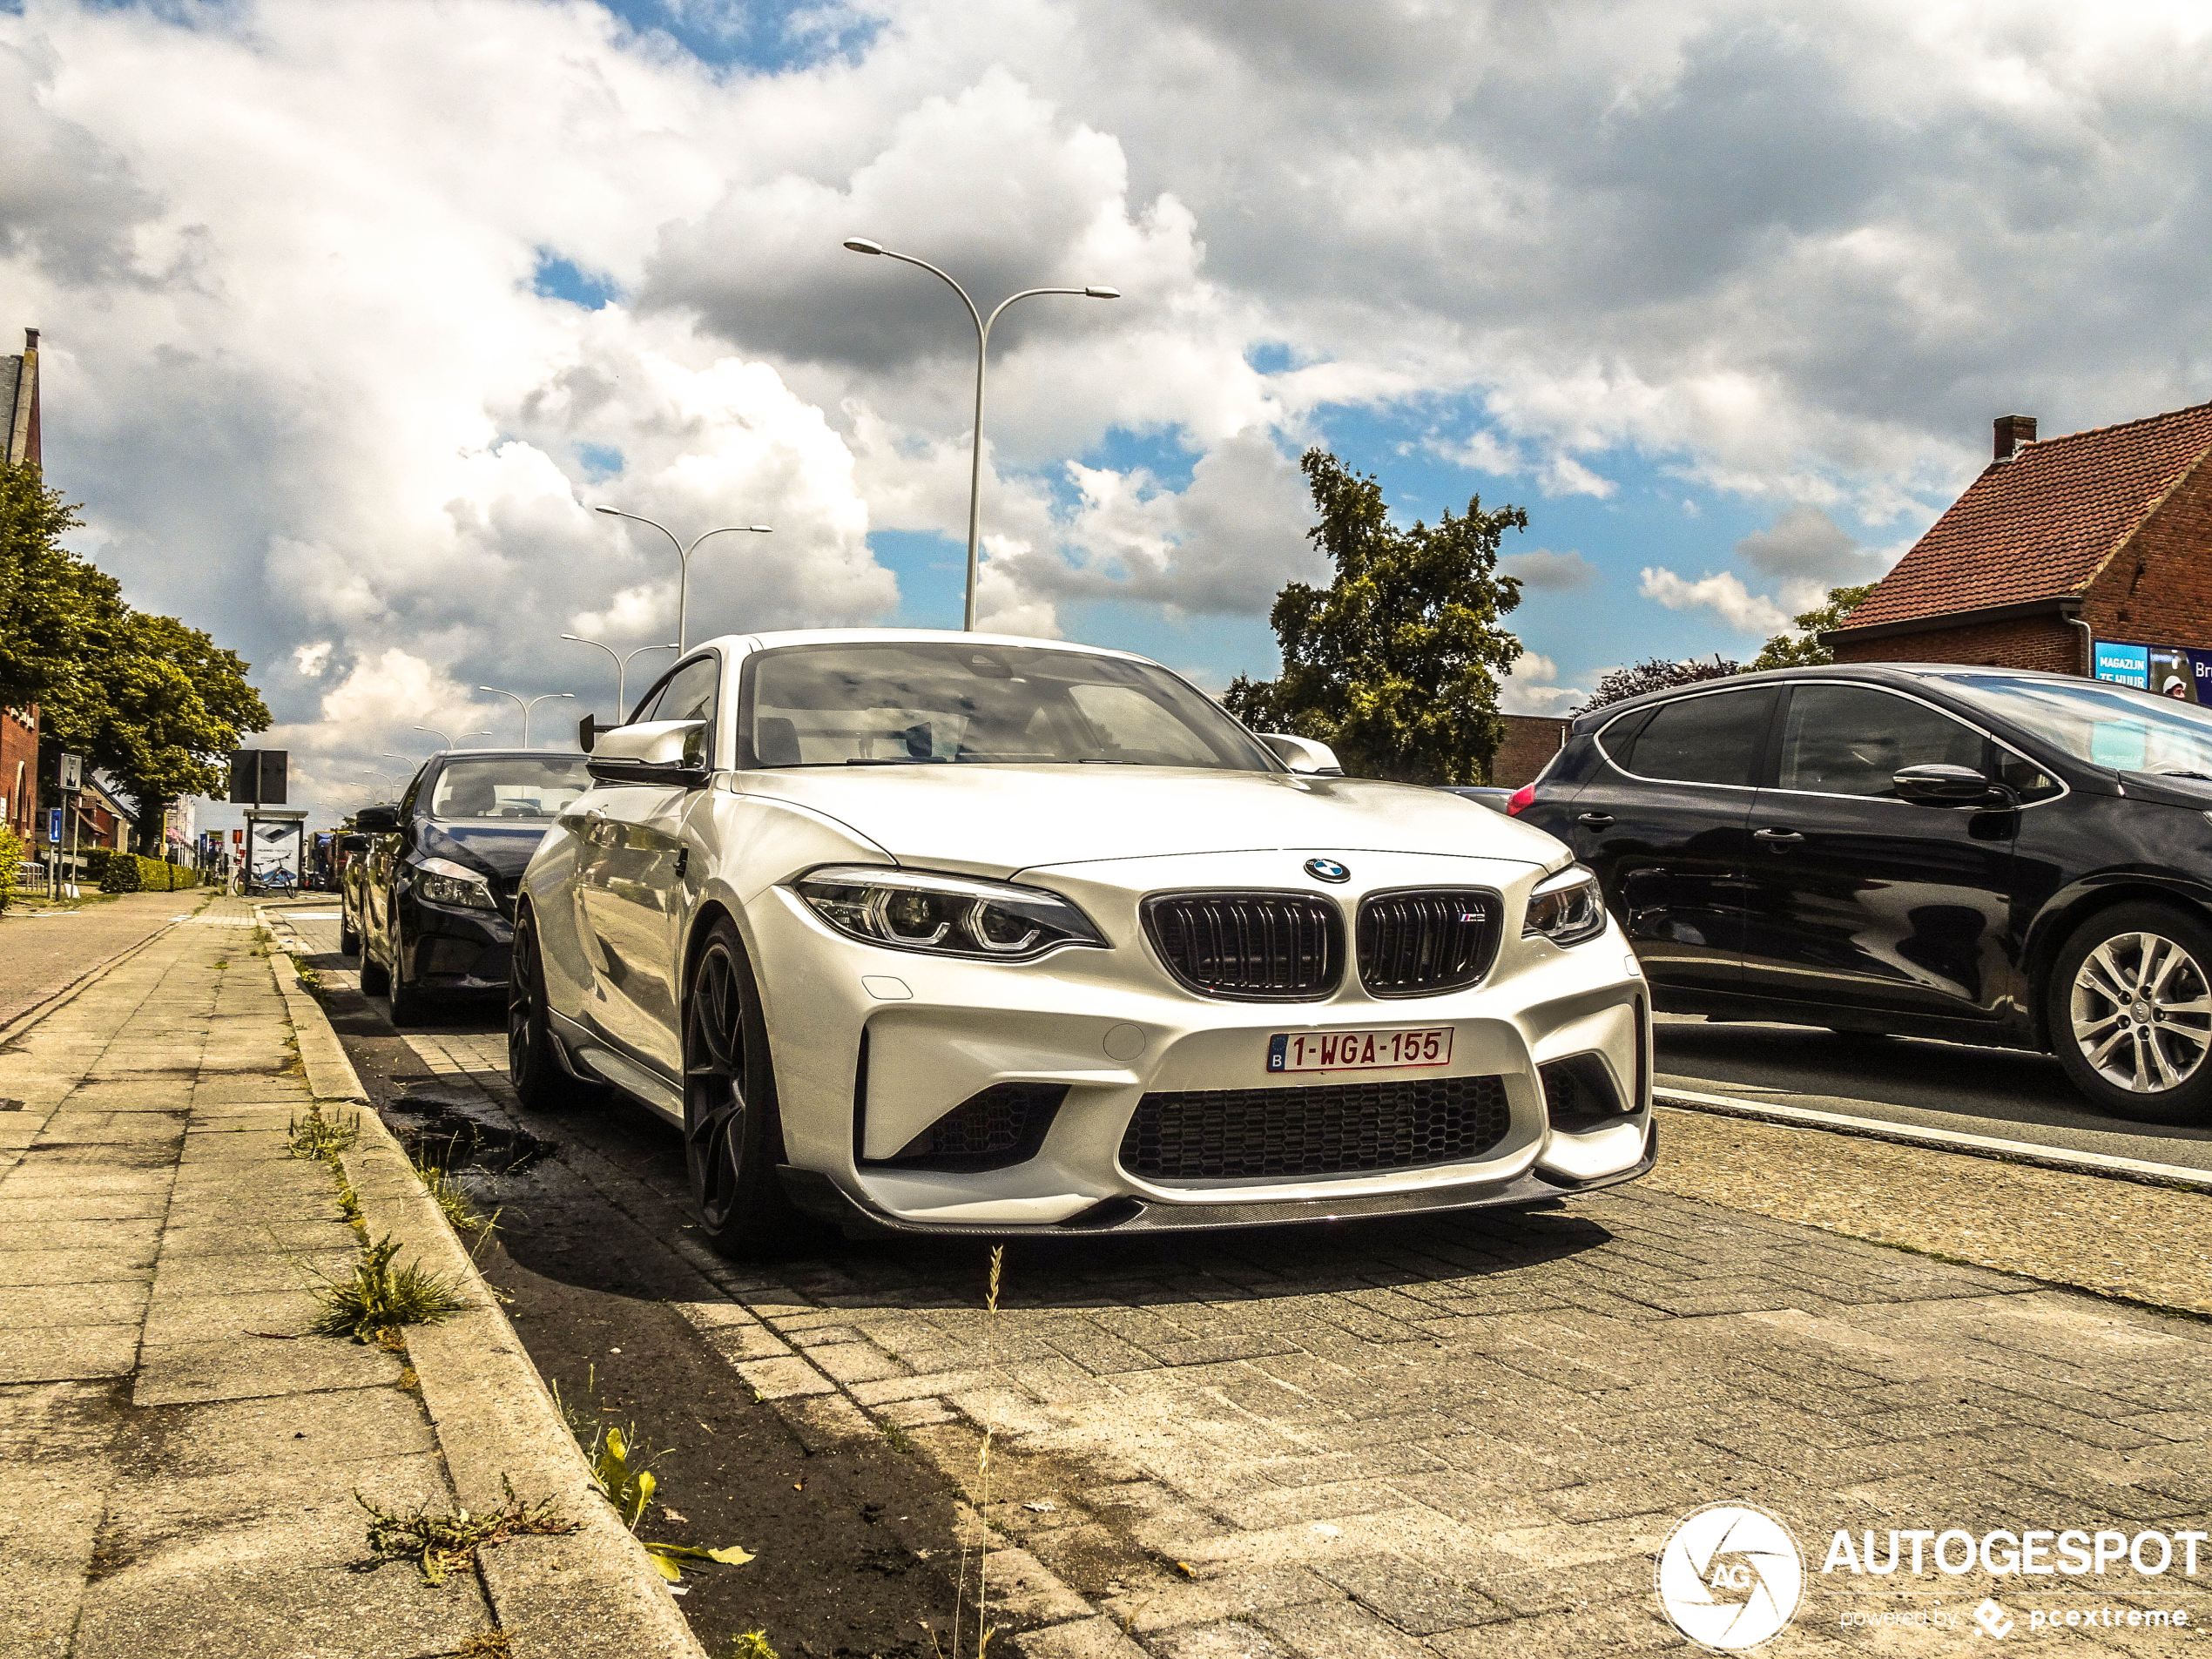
[
  {"x": 619, "y": 1460},
  {"x": 751, "y": 1644},
  {"x": 438, "y": 1544},
  {"x": 485, "y": 1644},
  {"x": 379, "y": 1297},
  {"x": 317, "y": 1137},
  {"x": 454, "y": 1203}
]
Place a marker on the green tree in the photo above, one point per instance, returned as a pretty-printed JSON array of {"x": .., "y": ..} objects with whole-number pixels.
[
  {"x": 50, "y": 601},
  {"x": 1803, "y": 649},
  {"x": 157, "y": 705},
  {"x": 1658, "y": 674},
  {"x": 1395, "y": 663}
]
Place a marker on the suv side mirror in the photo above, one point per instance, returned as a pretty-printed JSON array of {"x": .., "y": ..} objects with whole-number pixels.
[
  {"x": 590, "y": 729},
  {"x": 1303, "y": 755},
  {"x": 377, "y": 820},
  {"x": 1940, "y": 785}
]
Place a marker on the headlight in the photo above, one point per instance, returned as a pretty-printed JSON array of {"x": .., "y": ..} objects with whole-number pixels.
[
  {"x": 443, "y": 881},
  {"x": 1565, "y": 910},
  {"x": 947, "y": 915}
]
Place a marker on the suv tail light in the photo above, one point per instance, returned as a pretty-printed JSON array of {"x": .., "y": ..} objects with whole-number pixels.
[{"x": 1523, "y": 799}]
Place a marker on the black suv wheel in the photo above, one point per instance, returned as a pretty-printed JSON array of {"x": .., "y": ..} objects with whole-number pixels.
[
  {"x": 2129, "y": 1003},
  {"x": 732, "y": 1140}
]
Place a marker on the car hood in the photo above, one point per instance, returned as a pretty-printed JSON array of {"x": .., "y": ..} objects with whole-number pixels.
[
  {"x": 996, "y": 821},
  {"x": 497, "y": 847}
]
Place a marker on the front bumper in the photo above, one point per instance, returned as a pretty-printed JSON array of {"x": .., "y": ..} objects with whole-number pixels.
[
  {"x": 874, "y": 1046},
  {"x": 448, "y": 948}
]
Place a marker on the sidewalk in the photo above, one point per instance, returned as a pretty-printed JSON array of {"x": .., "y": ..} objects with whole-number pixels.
[
  {"x": 178, "y": 1460},
  {"x": 44, "y": 950}
]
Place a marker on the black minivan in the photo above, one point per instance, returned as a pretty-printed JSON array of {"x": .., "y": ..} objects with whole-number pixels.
[{"x": 1980, "y": 854}]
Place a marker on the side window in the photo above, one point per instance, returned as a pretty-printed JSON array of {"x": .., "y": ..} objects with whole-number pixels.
[
  {"x": 1619, "y": 739},
  {"x": 1712, "y": 740},
  {"x": 691, "y": 694},
  {"x": 1852, "y": 739}
]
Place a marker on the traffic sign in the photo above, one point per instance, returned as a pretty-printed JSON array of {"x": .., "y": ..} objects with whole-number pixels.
[
  {"x": 72, "y": 773},
  {"x": 53, "y": 826}
]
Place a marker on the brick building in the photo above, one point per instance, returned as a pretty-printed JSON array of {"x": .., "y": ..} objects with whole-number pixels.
[
  {"x": 19, "y": 727},
  {"x": 1531, "y": 741},
  {"x": 2103, "y": 535}
]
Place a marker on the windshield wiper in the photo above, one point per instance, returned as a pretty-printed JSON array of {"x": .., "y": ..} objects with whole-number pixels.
[
  {"x": 2201, "y": 777},
  {"x": 895, "y": 761}
]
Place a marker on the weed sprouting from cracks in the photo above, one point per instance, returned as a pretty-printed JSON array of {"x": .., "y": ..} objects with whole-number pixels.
[
  {"x": 485, "y": 1644},
  {"x": 317, "y": 1137},
  {"x": 982, "y": 1485},
  {"x": 453, "y": 1203},
  {"x": 443, "y": 1543},
  {"x": 619, "y": 1460},
  {"x": 378, "y": 1297},
  {"x": 751, "y": 1644}
]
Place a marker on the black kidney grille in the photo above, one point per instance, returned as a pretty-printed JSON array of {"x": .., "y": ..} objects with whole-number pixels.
[
  {"x": 1341, "y": 1129},
  {"x": 1420, "y": 944},
  {"x": 1257, "y": 947}
]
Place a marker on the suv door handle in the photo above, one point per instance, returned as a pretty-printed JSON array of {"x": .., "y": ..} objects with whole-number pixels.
[
  {"x": 1595, "y": 820},
  {"x": 1777, "y": 837}
]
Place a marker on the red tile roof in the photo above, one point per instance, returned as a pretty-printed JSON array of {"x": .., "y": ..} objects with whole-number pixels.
[{"x": 2043, "y": 523}]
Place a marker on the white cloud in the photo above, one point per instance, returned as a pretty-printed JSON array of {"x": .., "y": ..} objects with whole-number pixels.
[
  {"x": 1544, "y": 568},
  {"x": 1531, "y": 686},
  {"x": 1723, "y": 594}
]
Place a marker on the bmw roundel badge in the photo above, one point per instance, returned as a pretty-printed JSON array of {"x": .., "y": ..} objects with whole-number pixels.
[{"x": 1327, "y": 870}]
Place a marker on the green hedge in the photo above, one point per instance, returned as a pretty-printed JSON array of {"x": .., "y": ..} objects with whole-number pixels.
[
  {"x": 127, "y": 872},
  {"x": 10, "y": 861}
]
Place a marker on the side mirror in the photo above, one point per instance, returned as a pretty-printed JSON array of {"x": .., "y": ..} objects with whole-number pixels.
[
  {"x": 658, "y": 752},
  {"x": 1938, "y": 785},
  {"x": 1303, "y": 755},
  {"x": 377, "y": 820},
  {"x": 590, "y": 729}
]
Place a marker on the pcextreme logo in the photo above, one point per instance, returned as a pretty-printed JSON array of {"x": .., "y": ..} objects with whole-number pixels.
[{"x": 1730, "y": 1577}]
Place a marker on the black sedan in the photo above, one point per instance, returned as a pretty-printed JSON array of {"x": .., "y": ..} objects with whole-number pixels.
[
  {"x": 1979, "y": 854},
  {"x": 432, "y": 902}
]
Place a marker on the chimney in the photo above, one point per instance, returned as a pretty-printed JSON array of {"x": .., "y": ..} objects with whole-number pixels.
[{"x": 2013, "y": 431}]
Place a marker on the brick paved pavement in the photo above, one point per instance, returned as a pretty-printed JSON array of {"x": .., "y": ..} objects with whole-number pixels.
[
  {"x": 1465, "y": 1436},
  {"x": 43, "y": 950}
]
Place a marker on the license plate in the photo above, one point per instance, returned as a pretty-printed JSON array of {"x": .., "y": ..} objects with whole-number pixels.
[{"x": 1358, "y": 1050}]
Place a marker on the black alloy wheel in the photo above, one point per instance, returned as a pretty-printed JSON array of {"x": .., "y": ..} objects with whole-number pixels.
[
  {"x": 376, "y": 979},
  {"x": 349, "y": 938},
  {"x": 540, "y": 1082},
  {"x": 408, "y": 1004},
  {"x": 732, "y": 1141},
  {"x": 2129, "y": 1008}
]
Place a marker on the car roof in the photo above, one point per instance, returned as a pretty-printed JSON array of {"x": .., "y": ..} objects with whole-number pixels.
[
  {"x": 1895, "y": 674},
  {"x": 735, "y": 643}
]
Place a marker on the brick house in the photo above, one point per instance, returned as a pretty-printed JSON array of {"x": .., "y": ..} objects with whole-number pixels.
[
  {"x": 2100, "y": 534},
  {"x": 1531, "y": 741},
  {"x": 19, "y": 727}
]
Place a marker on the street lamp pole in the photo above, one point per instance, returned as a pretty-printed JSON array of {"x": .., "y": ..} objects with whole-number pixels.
[
  {"x": 525, "y": 706},
  {"x": 622, "y": 666},
  {"x": 683, "y": 558},
  {"x": 862, "y": 245}
]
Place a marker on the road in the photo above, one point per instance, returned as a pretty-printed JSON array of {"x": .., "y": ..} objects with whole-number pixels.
[
  {"x": 1896, "y": 1080},
  {"x": 1431, "y": 1437}
]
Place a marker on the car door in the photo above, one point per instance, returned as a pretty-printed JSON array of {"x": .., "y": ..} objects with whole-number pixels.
[
  {"x": 1859, "y": 899},
  {"x": 631, "y": 879},
  {"x": 1665, "y": 823}
]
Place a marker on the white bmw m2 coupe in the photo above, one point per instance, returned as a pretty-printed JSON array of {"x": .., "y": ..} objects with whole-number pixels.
[{"x": 942, "y": 933}]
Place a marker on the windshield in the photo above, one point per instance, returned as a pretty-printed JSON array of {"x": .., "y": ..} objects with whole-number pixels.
[
  {"x": 923, "y": 702},
  {"x": 2105, "y": 724},
  {"x": 508, "y": 786}
]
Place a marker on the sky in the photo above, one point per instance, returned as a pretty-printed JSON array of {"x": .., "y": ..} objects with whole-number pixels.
[{"x": 354, "y": 309}]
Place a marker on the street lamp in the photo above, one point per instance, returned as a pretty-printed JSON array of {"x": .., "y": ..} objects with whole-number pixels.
[
  {"x": 622, "y": 666},
  {"x": 445, "y": 741},
  {"x": 380, "y": 772},
  {"x": 526, "y": 707},
  {"x": 684, "y": 557},
  {"x": 862, "y": 245}
]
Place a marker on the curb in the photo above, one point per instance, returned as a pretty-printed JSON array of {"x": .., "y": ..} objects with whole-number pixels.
[
  {"x": 595, "y": 1591},
  {"x": 1876, "y": 1129}
]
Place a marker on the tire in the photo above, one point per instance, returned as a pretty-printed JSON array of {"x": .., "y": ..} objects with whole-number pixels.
[
  {"x": 409, "y": 1006},
  {"x": 2129, "y": 1008},
  {"x": 732, "y": 1138},
  {"x": 542, "y": 1083},
  {"x": 349, "y": 939},
  {"x": 376, "y": 979}
]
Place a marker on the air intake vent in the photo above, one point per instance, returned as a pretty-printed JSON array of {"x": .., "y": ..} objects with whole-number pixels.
[
  {"x": 1250, "y": 946},
  {"x": 1346, "y": 1129},
  {"x": 1422, "y": 944},
  {"x": 1003, "y": 1125}
]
